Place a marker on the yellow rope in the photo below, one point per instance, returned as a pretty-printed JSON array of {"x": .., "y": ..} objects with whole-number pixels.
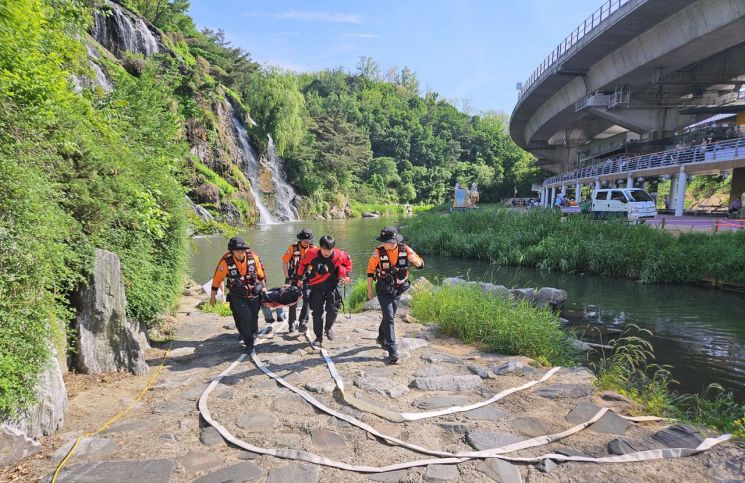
[{"x": 119, "y": 415}]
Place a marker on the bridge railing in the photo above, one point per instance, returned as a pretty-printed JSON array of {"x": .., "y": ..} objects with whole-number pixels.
[
  {"x": 731, "y": 149},
  {"x": 598, "y": 17}
]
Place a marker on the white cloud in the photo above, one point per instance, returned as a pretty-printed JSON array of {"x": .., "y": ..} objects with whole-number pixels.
[
  {"x": 309, "y": 16},
  {"x": 361, "y": 35}
]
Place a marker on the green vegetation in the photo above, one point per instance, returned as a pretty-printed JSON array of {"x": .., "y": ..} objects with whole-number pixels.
[
  {"x": 221, "y": 309},
  {"x": 499, "y": 324},
  {"x": 627, "y": 369},
  {"x": 77, "y": 172},
  {"x": 543, "y": 239},
  {"x": 357, "y": 296}
]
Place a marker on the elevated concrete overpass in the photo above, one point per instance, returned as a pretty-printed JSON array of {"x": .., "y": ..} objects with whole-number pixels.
[{"x": 648, "y": 67}]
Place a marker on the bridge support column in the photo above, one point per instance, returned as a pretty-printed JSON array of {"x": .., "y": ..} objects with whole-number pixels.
[
  {"x": 681, "y": 192},
  {"x": 673, "y": 191},
  {"x": 577, "y": 193},
  {"x": 553, "y": 196},
  {"x": 563, "y": 192},
  {"x": 597, "y": 184},
  {"x": 629, "y": 181}
]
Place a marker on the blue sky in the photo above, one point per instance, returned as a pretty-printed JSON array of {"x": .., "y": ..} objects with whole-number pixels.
[{"x": 465, "y": 49}]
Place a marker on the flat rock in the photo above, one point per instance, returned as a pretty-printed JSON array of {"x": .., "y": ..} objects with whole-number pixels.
[
  {"x": 378, "y": 372},
  {"x": 282, "y": 359},
  {"x": 569, "y": 452},
  {"x": 148, "y": 471},
  {"x": 509, "y": 367},
  {"x": 610, "y": 423},
  {"x": 327, "y": 442},
  {"x": 127, "y": 426},
  {"x": 339, "y": 423},
  {"x": 169, "y": 384},
  {"x": 382, "y": 386},
  {"x": 482, "y": 440},
  {"x": 547, "y": 466},
  {"x": 446, "y": 383},
  {"x": 565, "y": 391},
  {"x": 366, "y": 334},
  {"x": 620, "y": 447},
  {"x": 531, "y": 426},
  {"x": 441, "y": 473},
  {"x": 481, "y": 372},
  {"x": 256, "y": 422},
  {"x": 194, "y": 393},
  {"x": 200, "y": 461},
  {"x": 91, "y": 446},
  {"x": 486, "y": 413},
  {"x": 295, "y": 473},
  {"x": 437, "y": 357},
  {"x": 247, "y": 455},
  {"x": 245, "y": 471},
  {"x": 439, "y": 402},
  {"x": 429, "y": 371},
  {"x": 500, "y": 471},
  {"x": 388, "y": 476},
  {"x": 290, "y": 440},
  {"x": 293, "y": 404},
  {"x": 169, "y": 437},
  {"x": 210, "y": 437},
  {"x": 324, "y": 386},
  {"x": 679, "y": 436},
  {"x": 411, "y": 344},
  {"x": 182, "y": 352},
  {"x": 178, "y": 406}
]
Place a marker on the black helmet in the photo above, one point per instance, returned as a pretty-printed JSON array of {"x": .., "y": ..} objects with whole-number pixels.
[
  {"x": 390, "y": 234},
  {"x": 237, "y": 243},
  {"x": 305, "y": 234}
]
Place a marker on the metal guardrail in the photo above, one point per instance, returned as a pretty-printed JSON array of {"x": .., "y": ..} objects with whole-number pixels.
[
  {"x": 722, "y": 151},
  {"x": 593, "y": 21}
]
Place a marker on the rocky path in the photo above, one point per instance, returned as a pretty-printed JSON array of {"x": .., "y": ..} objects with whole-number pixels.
[{"x": 162, "y": 438}]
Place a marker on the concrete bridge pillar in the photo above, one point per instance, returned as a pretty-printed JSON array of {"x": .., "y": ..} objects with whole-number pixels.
[
  {"x": 673, "y": 190},
  {"x": 629, "y": 181},
  {"x": 597, "y": 184},
  {"x": 681, "y": 192},
  {"x": 563, "y": 191},
  {"x": 553, "y": 196},
  {"x": 577, "y": 192}
]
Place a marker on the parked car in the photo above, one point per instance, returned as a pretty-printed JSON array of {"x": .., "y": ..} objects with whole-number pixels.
[{"x": 635, "y": 204}]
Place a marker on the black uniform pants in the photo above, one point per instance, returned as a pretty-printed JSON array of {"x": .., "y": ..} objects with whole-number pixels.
[
  {"x": 387, "y": 329},
  {"x": 303, "y": 310},
  {"x": 246, "y": 317},
  {"x": 320, "y": 300}
]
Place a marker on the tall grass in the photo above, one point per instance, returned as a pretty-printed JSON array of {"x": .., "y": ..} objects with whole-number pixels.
[
  {"x": 543, "y": 239},
  {"x": 627, "y": 368},
  {"x": 498, "y": 323},
  {"x": 357, "y": 297}
]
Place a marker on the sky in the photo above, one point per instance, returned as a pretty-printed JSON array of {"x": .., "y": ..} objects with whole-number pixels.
[{"x": 472, "y": 52}]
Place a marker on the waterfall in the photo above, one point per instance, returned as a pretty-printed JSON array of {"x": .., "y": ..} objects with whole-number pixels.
[
  {"x": 284, "y": 194},
  {"x": 119, "y": 31},
  {"x": 251, "y": 168}
]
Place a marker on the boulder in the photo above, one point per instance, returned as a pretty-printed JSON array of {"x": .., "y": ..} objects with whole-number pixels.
[
  {"x": 368, "y": 214},
  {"x": 106, "y": 340},
  {"x": 207, "y": 193},
  {"x": 553, "y": 298},
  {"x": 373, "y": 304},
  {"x": 48, "y": 413},
  {"x": 337, "y": 213},
  {"x": 421, "y": 284},
  {"x": 524, "y": 294},
  {"x": 14, "y": 445}
]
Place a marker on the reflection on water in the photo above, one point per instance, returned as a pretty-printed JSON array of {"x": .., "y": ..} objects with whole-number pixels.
[{"x": 700, "y": 332}]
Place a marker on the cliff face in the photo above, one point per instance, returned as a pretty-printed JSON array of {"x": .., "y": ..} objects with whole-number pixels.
[{"x": 230, "y": 180}]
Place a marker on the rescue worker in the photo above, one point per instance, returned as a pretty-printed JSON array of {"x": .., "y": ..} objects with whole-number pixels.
[
  {"x": 290, "y": 262},
  {"x": 243, "y": 272},
  {"x": 325, "y": 267},
  {"x": 389, "y": 268}
]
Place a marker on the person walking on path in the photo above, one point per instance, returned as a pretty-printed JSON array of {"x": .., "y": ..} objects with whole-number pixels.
[
  {"x": 243, "y": 271},
  {"x": 290, "y": 263},
  {"x": 389, "y": 268},
  {"x": 325, "y": 267}
]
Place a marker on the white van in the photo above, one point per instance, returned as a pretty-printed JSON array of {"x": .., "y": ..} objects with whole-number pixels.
[{"x": 632, "y": 203}]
